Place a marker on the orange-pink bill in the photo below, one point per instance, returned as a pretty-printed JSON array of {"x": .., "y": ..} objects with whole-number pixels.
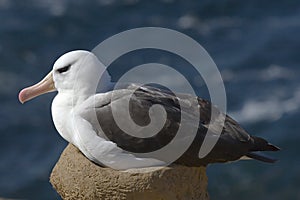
[{"x": 44, "y": 86}]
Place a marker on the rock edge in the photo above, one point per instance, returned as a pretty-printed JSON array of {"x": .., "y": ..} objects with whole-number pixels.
[{"x": 75, "y": 177}]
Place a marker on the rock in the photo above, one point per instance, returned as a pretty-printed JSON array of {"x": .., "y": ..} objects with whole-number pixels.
[{"x": 75, "y": 177}]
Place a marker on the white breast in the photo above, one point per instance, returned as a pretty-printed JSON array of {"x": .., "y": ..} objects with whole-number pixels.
[{"x": 61, "y": 114}]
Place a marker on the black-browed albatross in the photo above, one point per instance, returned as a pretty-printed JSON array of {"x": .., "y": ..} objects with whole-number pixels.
[{"x": 75, "y": 76}]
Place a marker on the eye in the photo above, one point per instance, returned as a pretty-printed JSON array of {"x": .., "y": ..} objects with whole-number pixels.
[{"x": 63, "y": 69}]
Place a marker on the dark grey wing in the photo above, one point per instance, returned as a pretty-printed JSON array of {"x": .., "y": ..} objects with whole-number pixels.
[
  {"x": 139, "y": 106},
  {"x": 233, "y": 143}
]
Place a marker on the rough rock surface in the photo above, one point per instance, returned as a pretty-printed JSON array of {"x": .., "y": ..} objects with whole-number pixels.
[{"x": 75, "y": 177}]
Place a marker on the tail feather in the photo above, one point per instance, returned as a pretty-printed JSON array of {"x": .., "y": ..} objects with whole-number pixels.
[
  {"x": 260, "y": 144},
  {"x": 261, "y": 157}
]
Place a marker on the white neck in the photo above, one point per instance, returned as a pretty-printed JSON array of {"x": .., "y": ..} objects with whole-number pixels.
[{"x": 66, "y": 100}]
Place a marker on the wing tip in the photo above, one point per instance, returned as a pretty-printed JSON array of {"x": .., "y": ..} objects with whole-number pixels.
[
  {"x": 272, "y": 147},
  {"x": 261, "y": 157}
]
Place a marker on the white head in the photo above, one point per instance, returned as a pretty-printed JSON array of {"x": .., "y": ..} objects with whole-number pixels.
[{"x": 77, "y": 72}]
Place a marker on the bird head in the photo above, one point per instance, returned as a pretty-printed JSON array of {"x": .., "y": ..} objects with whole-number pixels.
[{"x": 77, "y": 72}]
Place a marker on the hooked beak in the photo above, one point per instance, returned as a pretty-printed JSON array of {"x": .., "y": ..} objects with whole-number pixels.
[{"x": 44, "y": 86}]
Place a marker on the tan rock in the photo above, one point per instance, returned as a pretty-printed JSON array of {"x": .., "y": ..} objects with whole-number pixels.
[{"x": 75, "y": 177}]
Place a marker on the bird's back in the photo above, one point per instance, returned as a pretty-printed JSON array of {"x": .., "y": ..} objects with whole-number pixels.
[{"x": 233, "y": 143}]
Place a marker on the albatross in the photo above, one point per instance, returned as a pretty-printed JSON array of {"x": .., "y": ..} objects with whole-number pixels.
[{"x": 84, "y": 118}]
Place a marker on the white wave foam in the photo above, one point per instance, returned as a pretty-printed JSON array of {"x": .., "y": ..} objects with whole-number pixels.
[
  {"x": 271, "y": 109},
  {"x": 54, "y": 7},
  {"x": 270, "y": 73},
  {"x": 207, "y": 26},
  {"x": 274, "y": 72}
]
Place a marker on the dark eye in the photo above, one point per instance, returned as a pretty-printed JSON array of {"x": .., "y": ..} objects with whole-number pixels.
[{"x": 63, "y": 69}]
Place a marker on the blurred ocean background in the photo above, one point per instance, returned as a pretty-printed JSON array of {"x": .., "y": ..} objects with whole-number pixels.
[{"x": 255, "y": 44}]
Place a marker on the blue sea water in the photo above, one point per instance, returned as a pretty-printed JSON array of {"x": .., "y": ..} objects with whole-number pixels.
[{"x": 255, "y": 45}]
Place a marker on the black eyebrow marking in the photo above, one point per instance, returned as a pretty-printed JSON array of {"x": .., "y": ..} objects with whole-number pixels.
[{"x": 63, "y": 69}]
